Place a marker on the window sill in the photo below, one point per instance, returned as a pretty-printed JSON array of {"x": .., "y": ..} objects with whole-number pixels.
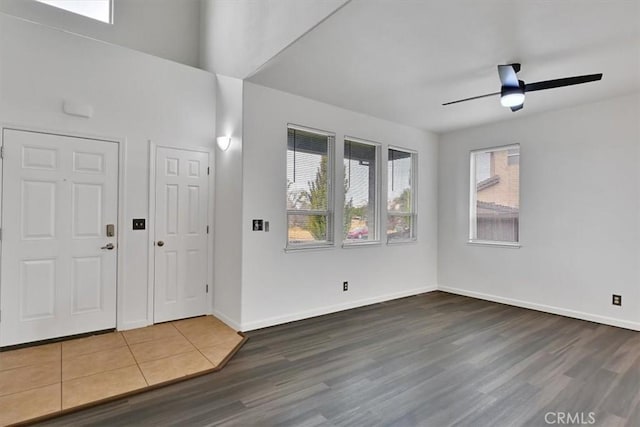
[
  {"x": 402, "y": 242},
  {"x": 304, "y": 248},
  {"x": 361, "y": 244},
  {"x": 510, "y": 245}
]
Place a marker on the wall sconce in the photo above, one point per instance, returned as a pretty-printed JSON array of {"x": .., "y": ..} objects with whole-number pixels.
[{"x": 223, "y": 142}]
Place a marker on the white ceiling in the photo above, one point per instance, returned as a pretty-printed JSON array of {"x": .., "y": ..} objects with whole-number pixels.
[
  {"x": 400, "y": 60},
  {"x": 238, "y": 36}
]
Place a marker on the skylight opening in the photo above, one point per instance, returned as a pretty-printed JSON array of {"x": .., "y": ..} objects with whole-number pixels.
[{"x": 100, "y": 10}]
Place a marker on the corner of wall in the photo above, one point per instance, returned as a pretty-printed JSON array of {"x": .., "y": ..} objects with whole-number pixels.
[{"x": 227, "y": 260}]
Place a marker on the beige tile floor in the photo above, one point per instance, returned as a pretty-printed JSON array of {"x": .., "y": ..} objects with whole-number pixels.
[{"x": 43, "y": 380}]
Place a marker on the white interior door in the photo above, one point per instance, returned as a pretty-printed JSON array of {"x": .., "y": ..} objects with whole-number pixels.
[
  {"x": 182, "y": 200},
  {"x": 58, "y": 265}
]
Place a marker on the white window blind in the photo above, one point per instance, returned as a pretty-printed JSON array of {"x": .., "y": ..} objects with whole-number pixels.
[
  {"x": 361, "y": 191},
  {"x": 401, "y": 201},
  {"x": 309, "y": 188}
]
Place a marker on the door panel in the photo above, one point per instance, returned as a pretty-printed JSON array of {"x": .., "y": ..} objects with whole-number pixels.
[
  {"x": 58, "y": 195},
  {"x": 181, "y": 227},
  {"x": 38, "y": 210},
  {"x": 87, "y": 284},
  {"x": 87, "y": 210},
  {"x": 37, "y": 285}
]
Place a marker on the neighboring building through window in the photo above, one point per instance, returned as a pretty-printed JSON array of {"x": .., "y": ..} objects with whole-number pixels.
[
  {"x": 100, "y": 10},
  {"x": 360, "y": 191},
  {"x": 495, "y": 195},
  {"x": 309, "y": 187},
  {"x": 401, "y": 191}
]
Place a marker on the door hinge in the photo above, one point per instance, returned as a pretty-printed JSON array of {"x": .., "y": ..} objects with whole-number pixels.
[
  {"x": 207, "y": 230},
  {"x": 2, "y": 152},
  {"x": 0, "y": 233},
  {"x": 207, "y": 288},
  {"x": 208, "y": 170}
]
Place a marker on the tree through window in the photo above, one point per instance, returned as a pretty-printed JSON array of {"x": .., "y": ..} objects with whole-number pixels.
[
  {"x": 309, "y": 188},
  {"x": 401, "y": 203}
]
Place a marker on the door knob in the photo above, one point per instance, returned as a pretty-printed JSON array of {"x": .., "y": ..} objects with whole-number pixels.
[
  {"x": 108, "y": 246},
  {"x": 160, "y": 243}
]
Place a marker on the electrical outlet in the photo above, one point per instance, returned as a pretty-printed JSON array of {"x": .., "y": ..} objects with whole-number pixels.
[
  {"x": 345, "y": 286},
  {"x": 616, "y": 299}
]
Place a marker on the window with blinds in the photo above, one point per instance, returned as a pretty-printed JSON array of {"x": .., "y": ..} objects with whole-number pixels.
[
  {"x": 309, "y": 188},
  {"x": 401, "y": 200},
  {"x": 360, "y": 191},
  {"x": 495, "y": 195}
]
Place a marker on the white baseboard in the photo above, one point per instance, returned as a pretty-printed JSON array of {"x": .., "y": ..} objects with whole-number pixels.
[
  {"x": 226, "y": 319},
  {"x": 545, "y": 308},
  {"x": 278, "y": 320}
]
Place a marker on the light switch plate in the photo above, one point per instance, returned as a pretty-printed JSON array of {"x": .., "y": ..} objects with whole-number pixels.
[{"x": 139, "y": 223}]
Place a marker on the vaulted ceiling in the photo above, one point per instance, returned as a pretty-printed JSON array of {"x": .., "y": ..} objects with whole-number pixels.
[{"x": 400, "y": 60}]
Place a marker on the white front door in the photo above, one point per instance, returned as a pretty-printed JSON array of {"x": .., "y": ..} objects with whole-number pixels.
[
  {"x": 59, "y": 195},
  {"x": 182, "y": 199}
]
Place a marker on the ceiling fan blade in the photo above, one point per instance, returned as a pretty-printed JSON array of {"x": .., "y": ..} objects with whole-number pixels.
[
  {"x": 472, "y": 98},
  {"x": 567, "y": 81},
  {"x": 508, "y": 74}
]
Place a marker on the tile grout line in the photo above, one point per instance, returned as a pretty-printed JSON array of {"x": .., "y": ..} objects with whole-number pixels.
[
  {"x": 194, "y": 346},
  {"x": 33, "y": 388},
  {"x": 163, "y": 357},
  {"x": 30, "y": 389},
  {"x": 198, "y": 348},
  {"x": 135, "y": 359},
  {"x": 60, "y": 382}
]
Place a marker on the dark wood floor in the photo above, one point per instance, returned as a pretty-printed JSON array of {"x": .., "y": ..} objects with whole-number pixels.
[{"x": 433, "y": 360}]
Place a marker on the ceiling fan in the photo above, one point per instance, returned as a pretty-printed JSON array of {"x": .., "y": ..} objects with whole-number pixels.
[{"x": 512, "y": 90}]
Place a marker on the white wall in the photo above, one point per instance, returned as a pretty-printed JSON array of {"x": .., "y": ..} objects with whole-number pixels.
[
  {"x": 579, "y": 215},
  {"x": 278, "y": 287},
  {"x": 238, "y": 36},
  {"x": 228, "y": 204},
  {"x": 166, "y": 28},
  {"x": 136, "y": 98}
]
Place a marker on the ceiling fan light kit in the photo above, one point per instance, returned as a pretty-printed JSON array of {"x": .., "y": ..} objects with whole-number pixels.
[
  {"x": 511, "y": 96},
  {"x": 512, "y": 90}
]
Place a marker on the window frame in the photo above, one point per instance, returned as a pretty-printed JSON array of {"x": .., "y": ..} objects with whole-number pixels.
[
  {"x": 330, "y": 212},
  {"x": 377, "y": 191},
  {"x": 473, "y": 198},
  {"x": 414, "y": 202}
]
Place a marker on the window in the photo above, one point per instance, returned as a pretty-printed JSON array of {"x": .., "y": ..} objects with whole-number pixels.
[
  {"x": 495, "y": 195},
  {"x": 401, "y": 204},
  {"x": 360, "y": 191},
  {"x": 94, "y": 9},
  {"x": 309, "y": 188}
]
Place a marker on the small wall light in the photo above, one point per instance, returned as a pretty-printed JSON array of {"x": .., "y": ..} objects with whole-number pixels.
[{"x": 223, "y": 142}]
